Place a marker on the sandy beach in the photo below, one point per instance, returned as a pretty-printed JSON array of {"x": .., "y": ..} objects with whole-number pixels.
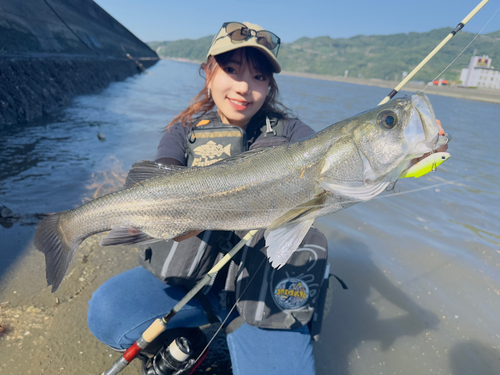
[
  {"x": 50, "y": 329},
  {"x": 47, "y": 333}
]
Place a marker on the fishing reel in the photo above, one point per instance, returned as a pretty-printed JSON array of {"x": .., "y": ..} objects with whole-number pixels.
[{"x": 178, "y": 356}]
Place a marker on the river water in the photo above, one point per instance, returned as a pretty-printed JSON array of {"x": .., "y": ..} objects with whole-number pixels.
[{"x": 421, "y": 263}]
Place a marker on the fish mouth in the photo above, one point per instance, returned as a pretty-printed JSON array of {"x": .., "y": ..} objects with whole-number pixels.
[{"x": 422, "y": 132}]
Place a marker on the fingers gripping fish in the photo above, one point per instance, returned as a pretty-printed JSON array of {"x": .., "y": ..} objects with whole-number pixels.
[{"x": 282, "y": 188}]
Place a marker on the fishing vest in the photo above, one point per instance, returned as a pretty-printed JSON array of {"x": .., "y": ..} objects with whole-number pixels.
[
  {"x": 285, "y": 298},
  {"x": 211, "y": 141}
]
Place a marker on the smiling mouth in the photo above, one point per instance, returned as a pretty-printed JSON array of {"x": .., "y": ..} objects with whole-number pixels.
[{"x": 239, "y": 103}]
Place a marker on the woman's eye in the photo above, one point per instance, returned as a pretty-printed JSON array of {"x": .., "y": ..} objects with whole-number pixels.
[
  {"x": 229, "y": 70},
  {"x": 260, "y": 77}
]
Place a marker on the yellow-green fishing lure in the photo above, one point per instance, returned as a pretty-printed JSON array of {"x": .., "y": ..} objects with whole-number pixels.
[{"x": 424, "y": 166}]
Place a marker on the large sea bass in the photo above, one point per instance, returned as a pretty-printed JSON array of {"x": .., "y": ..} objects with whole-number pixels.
[{"x": 282, "y": 188}]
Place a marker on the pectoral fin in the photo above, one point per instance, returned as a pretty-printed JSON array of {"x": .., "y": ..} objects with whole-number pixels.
[
  {"x": 284, "y": 236},
  {"x": 283, "y": 241},
  {"x": 299, "y": 212}
]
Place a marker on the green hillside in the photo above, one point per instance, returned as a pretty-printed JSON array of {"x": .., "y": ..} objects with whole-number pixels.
[
  {"x": 375, "y": 56},
  {"x": 195, "y": 50}
]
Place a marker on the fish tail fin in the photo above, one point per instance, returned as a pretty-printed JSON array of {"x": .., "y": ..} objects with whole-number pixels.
[{"x": 58, "y": 249}]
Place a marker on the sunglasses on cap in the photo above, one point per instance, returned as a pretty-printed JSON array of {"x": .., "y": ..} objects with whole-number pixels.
[{"x": 239, "y": 32}]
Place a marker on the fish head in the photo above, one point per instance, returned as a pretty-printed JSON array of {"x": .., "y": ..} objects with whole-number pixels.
[
  {"x": 389, "y": 136},
  {"x": 369, "y": 151}
]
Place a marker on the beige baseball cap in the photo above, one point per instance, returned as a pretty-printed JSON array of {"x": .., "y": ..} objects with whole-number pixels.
[{"x": 262, "y": 41}]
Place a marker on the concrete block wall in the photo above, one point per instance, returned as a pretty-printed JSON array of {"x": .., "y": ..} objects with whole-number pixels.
[{"x": 52, "y": 50}]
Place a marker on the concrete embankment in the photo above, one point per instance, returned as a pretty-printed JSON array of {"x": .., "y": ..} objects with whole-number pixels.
[{"x": 52, "y": 50}]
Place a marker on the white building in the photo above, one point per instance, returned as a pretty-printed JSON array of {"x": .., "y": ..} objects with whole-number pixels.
[{"x": 479, "y": 74}]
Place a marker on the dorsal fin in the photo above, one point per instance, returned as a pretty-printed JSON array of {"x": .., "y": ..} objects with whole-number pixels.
[{"x": 144, "y": 170}]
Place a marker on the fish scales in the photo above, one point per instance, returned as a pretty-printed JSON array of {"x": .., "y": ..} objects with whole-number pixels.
[
  {"x": 225, "y": 195},
  {"x": 227, "y": 189}
]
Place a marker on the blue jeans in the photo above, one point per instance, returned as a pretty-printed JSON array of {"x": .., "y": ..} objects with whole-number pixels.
[{"x": 125, "y": 305}]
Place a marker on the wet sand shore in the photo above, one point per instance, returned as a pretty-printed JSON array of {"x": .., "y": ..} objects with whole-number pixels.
[
  {"x": 47, "y": 333},
  {"x": 482, "y": 95}
]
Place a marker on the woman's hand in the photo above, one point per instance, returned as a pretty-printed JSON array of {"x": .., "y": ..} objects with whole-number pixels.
[{"x": 440, "y": 149}]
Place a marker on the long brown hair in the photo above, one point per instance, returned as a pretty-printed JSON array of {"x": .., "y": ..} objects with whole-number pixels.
[{"x": 202, "y": 103}]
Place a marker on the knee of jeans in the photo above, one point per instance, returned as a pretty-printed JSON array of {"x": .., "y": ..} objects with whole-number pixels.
[{"x": 103, "y": 317}]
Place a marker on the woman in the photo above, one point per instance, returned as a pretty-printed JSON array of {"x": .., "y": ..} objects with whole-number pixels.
[{"x": 270, "y": 332}]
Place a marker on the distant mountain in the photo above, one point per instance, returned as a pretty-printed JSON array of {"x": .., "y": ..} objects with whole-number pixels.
[
  {"x": 375, "y": 56},
  {"x": 195, "y": 50},
  {"x": 494, "y": 34}
]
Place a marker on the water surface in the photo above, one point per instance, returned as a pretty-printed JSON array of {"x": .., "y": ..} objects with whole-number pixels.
[{"x": 422, "y": 263}]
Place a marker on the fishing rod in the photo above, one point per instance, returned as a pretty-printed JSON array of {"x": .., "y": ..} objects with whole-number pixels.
[
  {"x": 431, "y": 162},
  {"x": 160, "y": 325},
  {"x": 434, "y": 51}
]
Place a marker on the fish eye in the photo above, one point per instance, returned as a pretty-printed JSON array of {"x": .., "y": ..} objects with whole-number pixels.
[{"x": 387, "y": 119}]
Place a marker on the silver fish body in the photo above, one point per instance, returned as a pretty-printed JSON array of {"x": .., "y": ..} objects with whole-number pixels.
[{"x": 282, "y": 188}]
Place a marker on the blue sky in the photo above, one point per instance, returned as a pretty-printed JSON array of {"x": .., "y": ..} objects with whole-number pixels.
[{"x": 157, "y": 20}]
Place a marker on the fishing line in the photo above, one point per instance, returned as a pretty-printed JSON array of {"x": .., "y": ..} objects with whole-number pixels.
[
  {"x": 460, "y": 54},
  {"x": 230, "y": 311},
  {"x": 268, "y": 210},
  {"x": 443, "y": 183},
  {"x": 414, "y": 190},
  {"x": 160, "y": 325}
]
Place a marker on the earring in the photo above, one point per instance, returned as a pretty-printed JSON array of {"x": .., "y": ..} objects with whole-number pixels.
[{"x": 208, "y": 92}]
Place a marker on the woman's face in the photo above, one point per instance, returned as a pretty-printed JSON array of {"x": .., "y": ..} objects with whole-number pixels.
[{"x": 238, "y": 91}]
